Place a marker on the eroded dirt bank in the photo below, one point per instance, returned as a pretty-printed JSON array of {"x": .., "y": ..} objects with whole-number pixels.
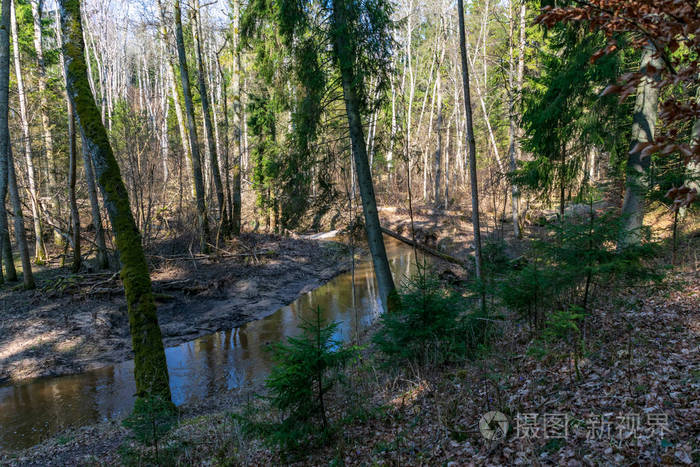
[{"x": 73, "y": 323}]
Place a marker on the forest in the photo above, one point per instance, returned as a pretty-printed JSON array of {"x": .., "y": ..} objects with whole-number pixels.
[{"x": 349, "y": 232}]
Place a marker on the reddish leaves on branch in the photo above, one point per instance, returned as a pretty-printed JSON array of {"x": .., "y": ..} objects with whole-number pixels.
[
  {"x": 681, "y": 196},
  {"x": 672, "y": 27}
]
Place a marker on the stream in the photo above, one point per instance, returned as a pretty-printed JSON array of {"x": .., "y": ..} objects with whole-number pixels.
[{"x": 209, "y": 365}]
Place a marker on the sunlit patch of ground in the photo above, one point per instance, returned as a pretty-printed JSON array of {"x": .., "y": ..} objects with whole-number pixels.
[
  {"x": 410, "y": 395},
  {"x": 27, "y": 342},
  {"x": 70, "y": 344}
]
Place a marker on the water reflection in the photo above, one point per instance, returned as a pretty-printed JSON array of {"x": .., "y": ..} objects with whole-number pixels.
[{"x": 217, "y": 362}]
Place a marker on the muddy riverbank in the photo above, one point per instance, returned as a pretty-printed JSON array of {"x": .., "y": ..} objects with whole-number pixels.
[{"x": 75, "y": 323}]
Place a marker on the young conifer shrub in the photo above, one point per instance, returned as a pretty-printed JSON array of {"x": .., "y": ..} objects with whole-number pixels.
[
  {"x": 434, "y": 324},
  {"x": 307, "y": 367},
  {"x": 568, "y": 266},
  {"x": 151, "y": 420}
]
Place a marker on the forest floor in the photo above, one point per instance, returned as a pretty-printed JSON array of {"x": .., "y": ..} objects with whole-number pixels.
[
  {"x": 633, "y": 401},
  {"x": 75, "y": 322},
  {"x": 639, "y": 381}
]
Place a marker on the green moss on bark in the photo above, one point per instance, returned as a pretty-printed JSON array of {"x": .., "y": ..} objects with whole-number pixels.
[{"x": 150, "y": 368}]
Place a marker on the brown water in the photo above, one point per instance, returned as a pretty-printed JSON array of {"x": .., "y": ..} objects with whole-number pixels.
[{"x": 201, "y": 368}]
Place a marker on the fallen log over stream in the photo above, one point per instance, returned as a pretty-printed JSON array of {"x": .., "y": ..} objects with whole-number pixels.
[{"x": 427, "y": 249}]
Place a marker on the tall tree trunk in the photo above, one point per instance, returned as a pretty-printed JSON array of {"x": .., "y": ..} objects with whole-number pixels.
[
  {"x": 206, "y": 112},
  {"x": 392, "y": 134},
  {"x": 150, "y": 368},
  {"x": 39, "y": 248},
  {"x": 562, "y": 181},
  {"x": 5, "y": 244},
  {"x": 74, "y": 214},
  {"x": 449, "y": 147},
  {"x": 692, "y": 168},
  {"x": 238, "y": 121},
  {"x": 20, "y": 234},
  {"x": 226, "y": 146},
  {"x": 438, "y": 152},
  {"x": 346, "y": 61},
  {"x": 7, "y": 178},
  {"x": 102, "y": 256},
  {"x": 591, "y": 163},
  {"x": 471, "y": 142},
  {"x": 182, "y": 129},
  {"x": 165, "y": 111},
  {"x": 412, "y": 88},
  {"x": 37, "y": 7},
  {"x": 426, "y": 167},
  {"x": 512, "y": 124},
  {"x": 646, "y": 109},
  {"x": 177, "y": 98},
  {"x": 192, "y": 130}
]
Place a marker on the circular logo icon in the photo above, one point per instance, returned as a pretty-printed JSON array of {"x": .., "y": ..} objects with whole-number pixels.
[{"x": 493, "y": 425}]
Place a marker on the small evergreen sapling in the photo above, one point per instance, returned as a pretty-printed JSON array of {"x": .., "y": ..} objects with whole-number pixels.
[
  {"x": 434, "y": 323},
  {"x": 307, "y": 367},
  {"x": 568, "y": 264},
  {"x": 151, "y": 419}
]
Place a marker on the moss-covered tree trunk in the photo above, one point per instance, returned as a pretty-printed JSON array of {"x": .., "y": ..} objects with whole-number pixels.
[
  {"x": 646, "y": 110},
  {"x": 74, "y": 214},
  {"x": 4, "y": 134},
  {"x": 150, "y": 369},
  {"x": 208, "y": 125},
  {"x": 192, "y": 129},
  {"x": 346, "y": 62}
]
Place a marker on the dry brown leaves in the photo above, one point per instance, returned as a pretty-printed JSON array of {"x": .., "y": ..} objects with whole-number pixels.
[{"x": 642, "y": 364}]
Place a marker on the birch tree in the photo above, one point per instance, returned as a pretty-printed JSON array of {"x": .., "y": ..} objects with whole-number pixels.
[
  {"x": 238, "y": 119},
  {"x": 39, "y": 248}
]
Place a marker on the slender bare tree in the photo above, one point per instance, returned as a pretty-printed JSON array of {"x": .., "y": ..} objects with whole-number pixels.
[
  {"x": 471, "y": 142},
  {"x": 39, "y": 248},
  {"x": 192, "y": 131},
  {"x": 37, "y": 13}
]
